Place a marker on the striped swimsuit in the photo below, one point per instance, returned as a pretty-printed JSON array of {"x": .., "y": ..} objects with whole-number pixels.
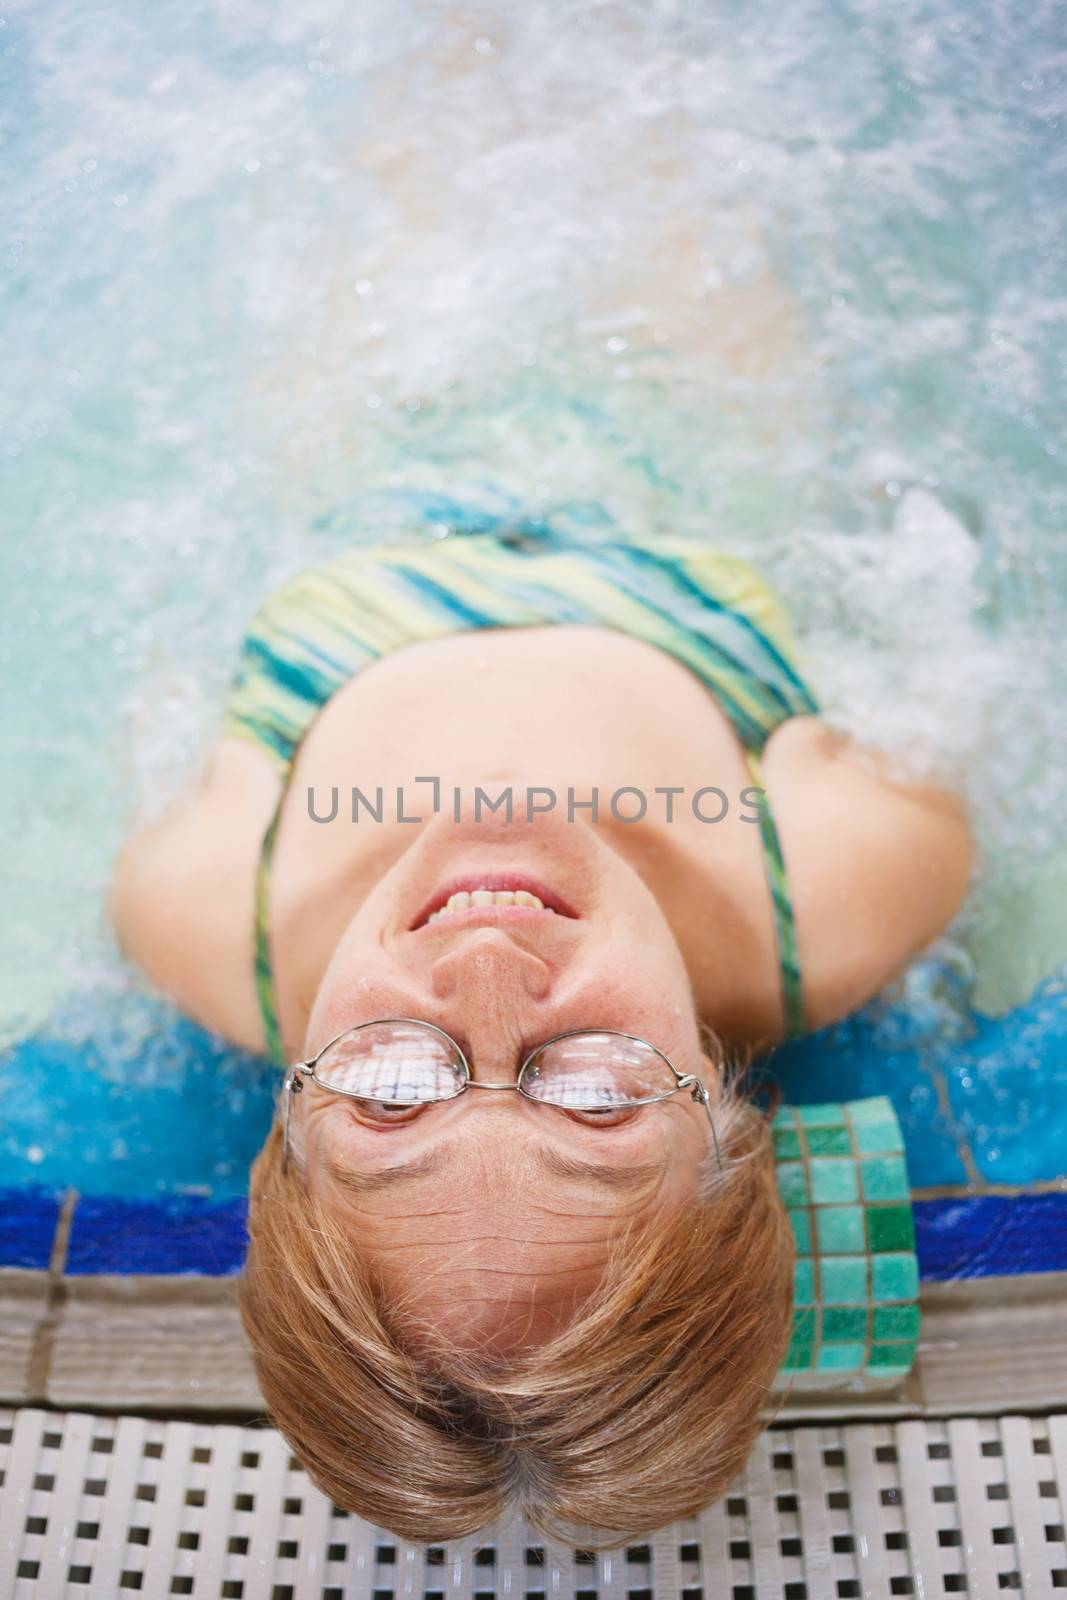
[{"x": 710, "y": 611}]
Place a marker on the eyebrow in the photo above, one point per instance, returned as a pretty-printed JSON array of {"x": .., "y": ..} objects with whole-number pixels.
[{"x": 620, "y": 1178}]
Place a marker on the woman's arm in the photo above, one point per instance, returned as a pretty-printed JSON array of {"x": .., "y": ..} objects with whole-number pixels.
[
  {"x": 181, "y": 894},
  {"x": 878, "y": 866}
]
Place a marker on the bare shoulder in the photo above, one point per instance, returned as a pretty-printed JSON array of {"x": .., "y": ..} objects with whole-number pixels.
[
  {"x": 181, "y": 894},
  {"x": 878, "y": 865}
]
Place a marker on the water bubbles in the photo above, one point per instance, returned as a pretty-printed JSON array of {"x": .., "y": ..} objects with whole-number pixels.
[
  {"x": 484, "y": 45},
  {"x": 616, "y": 344},
  {"x": 363, "y": 286},
  {"x": 252, "y": 165},
  {"x": 35, "y": 1154},
  {"x": 374, "y": 401},
  {"x": 121, "y": 200}
]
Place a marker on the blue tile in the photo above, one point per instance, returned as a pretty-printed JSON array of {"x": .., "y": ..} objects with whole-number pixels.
[
  {"x": 991, "y": 1236},
  {"x": 28, "y": 1220},
  {"x": 171, "y": 1234}
]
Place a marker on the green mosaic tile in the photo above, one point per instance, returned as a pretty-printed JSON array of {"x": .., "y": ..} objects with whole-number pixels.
[
  {"x": 840, "y": 1357},
  {"x": 842, "y": 1175},
  {"x": 844, "y": 1280},
  {"x": 845, "y": 1324},
  {"x": 884, "y": 1178},
  {"x": 875, "y": 1108},
  {"x": 804, "y": 1283},
  {"x": 833, "y": 1180},
  {"x": 787, "y": 1146},
  {"x": 891, "y": 1227},
  {"x": 895, "y": 1322},
  {"x": 829, "y": 1142},
  {"x": 878, "y": 1138},
  {"x": 840, "y": 1230},
  {"x": 893, "y": 1277},
  {"x": 801, "y": 1222},
  {"x": 821, "y": 1116},
  {"x": 885, "y": 1359},
  {"x": 792, "y": 1183}
]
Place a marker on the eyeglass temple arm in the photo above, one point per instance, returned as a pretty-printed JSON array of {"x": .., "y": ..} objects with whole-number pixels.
[
  {"x": 292, "y": 1084},
  {"x": 699, "y": 1092}
]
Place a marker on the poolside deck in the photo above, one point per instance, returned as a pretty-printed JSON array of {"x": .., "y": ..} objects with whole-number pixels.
[{"x": 97, "y": 1506}]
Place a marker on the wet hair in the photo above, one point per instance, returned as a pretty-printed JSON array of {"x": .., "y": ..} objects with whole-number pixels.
[{"x": 640, "y": 1411}]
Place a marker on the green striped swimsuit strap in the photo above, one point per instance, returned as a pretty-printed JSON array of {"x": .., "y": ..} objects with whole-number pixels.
[
  {"x": 264, "y": 967},
  {"x": 785, "y": 925}
]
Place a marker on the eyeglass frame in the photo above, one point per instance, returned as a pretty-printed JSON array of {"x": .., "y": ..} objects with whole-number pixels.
[{"x": 293, "y": 1085}]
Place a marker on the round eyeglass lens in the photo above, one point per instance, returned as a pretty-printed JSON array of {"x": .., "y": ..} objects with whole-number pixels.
[
  {"x": 398, "y": 1062},
  {"x": 596, "y": 1071}
]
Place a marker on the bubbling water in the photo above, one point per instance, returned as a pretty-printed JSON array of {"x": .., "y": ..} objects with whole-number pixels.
[{"x": 791, "y": 282}]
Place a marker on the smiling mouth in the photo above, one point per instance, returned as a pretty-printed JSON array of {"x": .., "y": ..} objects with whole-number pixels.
[{"x": 504, "y": 896}]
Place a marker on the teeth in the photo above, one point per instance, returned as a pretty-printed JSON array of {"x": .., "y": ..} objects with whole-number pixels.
[{"x": 463, "y": 900}]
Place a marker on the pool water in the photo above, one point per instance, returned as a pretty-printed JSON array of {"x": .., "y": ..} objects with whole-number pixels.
[{"x": 272, "y": 282}]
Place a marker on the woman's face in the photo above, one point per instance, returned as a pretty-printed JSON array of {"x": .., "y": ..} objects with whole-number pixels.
[{"x": 490, "y": 1215}]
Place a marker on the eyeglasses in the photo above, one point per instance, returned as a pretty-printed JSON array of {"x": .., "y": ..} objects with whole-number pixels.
[{"x": 400, "y": 1062}]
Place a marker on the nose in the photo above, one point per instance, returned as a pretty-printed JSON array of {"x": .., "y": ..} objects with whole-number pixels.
[{"x": 496, "y": 990}]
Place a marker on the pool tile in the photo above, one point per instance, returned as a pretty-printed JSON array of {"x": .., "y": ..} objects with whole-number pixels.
[
  {"x": 874, "y": 1138},
  {"x": 804, "y": 1283},
  {"x": 894, "y": 1277},
  {"x": 833, "y": 1180},
  {"x": 801, "y": 1224},
  {"x": 841, "y": 1230},
  {"x": 792, "y": 1183},
  {"x": 991, "y": 1236},
  {"x": 28, "y": 1220},
  {"x": 845, "y": 1324},
  {"x": 822, "y": 1116},
  {"x": 890, "y": 1228},
  {"x": 829, "y": 1142},
  {"x": 786, "y": 1144},
  {"x": 891, "y": 1360},
  {"x": 895, "y": 1322},
  {"x": 841, "y": 1357},
  {"x": 844, "y": 1281},
  {"x": 174, "y": 1234},
  {"x": 884, "y": 1178},
  {"x": 873, "y": 1110}
]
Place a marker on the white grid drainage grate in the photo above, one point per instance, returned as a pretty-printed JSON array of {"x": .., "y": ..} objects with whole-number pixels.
[{"x": 103, "y": 1508}]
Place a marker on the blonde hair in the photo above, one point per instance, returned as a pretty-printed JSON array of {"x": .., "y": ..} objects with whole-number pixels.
[{"x": 639, "y": 1412}]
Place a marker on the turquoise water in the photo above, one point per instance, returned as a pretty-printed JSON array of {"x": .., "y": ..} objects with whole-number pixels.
[{"x": 792, "y": 284}]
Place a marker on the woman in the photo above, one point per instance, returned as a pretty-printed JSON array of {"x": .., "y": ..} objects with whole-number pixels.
[{"x": 571, "y": 1299}]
